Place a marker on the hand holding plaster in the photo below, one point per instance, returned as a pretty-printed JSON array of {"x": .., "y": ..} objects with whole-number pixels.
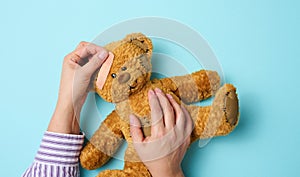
[{"x": 77, "y": 71}]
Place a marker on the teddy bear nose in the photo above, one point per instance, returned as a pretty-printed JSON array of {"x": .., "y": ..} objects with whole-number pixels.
[{"x": 124, "y": 78}]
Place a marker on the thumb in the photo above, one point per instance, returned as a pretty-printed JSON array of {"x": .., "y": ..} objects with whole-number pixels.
[
  {"x": 135, "y": 129},
  {"x": 95, "y": 62}
]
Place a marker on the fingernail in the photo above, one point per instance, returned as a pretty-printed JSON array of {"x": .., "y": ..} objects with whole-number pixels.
[
  {"x": 169, "y": 96},
  {"x": 102, "y": 55},
  {"x": 131, "y": 119},
  {"x": 151, "y": 92},
  {"x": 158, "y": 90}
]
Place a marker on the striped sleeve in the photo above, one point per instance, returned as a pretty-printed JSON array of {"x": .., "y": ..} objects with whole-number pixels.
[{"x": 57, "y": 156}]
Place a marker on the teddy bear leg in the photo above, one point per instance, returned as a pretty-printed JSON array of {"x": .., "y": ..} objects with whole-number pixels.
[
  {"x": 218, "y": 119},
  {"x": 131, "y": 169},
  {"x": 103, "y": 144},
  {"x": 113, "y": 173},
  {"x": 136, "y": 169}
]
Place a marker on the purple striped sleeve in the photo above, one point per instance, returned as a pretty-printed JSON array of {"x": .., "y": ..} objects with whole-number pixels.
[{"x": 58, "y": 155}]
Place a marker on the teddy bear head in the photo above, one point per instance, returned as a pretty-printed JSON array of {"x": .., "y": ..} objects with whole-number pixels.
[{"x": 130, "y": 69}]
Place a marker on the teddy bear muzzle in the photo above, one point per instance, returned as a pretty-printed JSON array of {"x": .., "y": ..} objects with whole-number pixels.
[{"x": 124, "y": 77}]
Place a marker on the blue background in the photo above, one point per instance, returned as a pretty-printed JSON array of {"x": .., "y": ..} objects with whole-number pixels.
[{"x": 256, "y": 42}]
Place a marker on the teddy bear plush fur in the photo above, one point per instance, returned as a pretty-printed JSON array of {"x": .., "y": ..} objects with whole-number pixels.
[{"x": 127, "y": 86}]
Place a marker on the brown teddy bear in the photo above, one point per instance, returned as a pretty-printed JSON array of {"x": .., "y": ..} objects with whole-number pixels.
[{"x": 127, "y": 86}]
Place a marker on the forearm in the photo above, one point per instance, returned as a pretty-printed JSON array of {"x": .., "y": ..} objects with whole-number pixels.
[{"x": 65, "y": 119}]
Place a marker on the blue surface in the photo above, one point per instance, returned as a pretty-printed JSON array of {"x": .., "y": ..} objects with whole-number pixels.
[{"x": 257, "y": 44}]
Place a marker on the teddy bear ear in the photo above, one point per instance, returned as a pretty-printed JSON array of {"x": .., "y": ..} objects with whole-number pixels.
[
  {"x": 140, "y": 40},
  {"x": 145, "y": 61}
]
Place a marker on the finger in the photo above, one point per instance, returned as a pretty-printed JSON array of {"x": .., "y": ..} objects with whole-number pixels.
[
  {"x": 167, "y": 109},
  {"x": 156, "y": 114},
  {"x": 188, "y": 120},
  {"x": 135, "y": 129},
  {"x": 176, "y": 107},
  {"x": 73, "y": 56},
  {"x": 88, "y": 50},
  {"x": 95, "y": 62},
  {"x": 81, "y": 45}
]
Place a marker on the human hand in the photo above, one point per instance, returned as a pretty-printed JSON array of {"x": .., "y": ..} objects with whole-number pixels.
[
  {"x": 77, "y": 71},
  {"x": 163, "y": 151}
]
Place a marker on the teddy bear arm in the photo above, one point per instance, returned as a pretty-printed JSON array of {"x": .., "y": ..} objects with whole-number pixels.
[
  {"x": 193, "y": 87},
  {"x": 103, "y": 144}
]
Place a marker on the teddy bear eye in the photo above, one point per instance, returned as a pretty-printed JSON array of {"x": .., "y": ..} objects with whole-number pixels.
[
  {"x": 123, "y": 68},
  {"x": 113, "y": 75}
]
